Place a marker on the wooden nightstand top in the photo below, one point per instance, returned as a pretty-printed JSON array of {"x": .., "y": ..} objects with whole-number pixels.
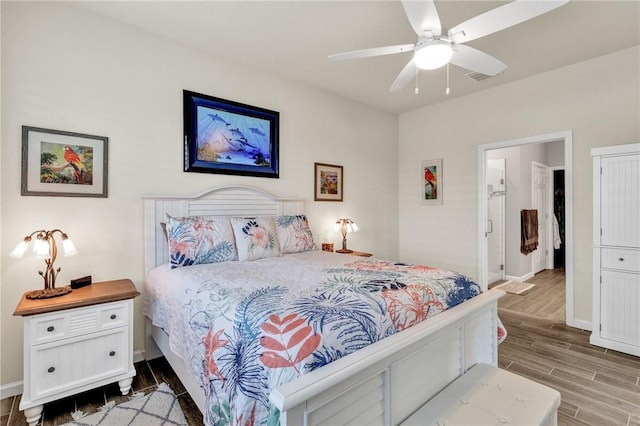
[
  {"x": 102, "y": 292},
  {"x": 358, "y": 253},
  {"x": 362, "y": 254}
]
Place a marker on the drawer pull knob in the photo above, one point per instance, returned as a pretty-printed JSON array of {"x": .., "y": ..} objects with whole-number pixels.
[
  {"x": 113, "y": 316},
  {"x": 50, "y": 328},
  {"x": 51, "y": 369},
  {"x": 621, "y": 259},
  {"x": 112, "y": 353}
]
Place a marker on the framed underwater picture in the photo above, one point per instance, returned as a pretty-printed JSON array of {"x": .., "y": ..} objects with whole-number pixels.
[
  {"x": 431, "y": 182},
  {"x": 67, "y": 164},
  {"x": 227, "y": 137}
]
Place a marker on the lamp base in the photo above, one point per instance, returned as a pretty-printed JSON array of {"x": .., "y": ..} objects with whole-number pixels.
[
  {"x": 344, "y": 251},
  {"x": 48, "y": 292}
]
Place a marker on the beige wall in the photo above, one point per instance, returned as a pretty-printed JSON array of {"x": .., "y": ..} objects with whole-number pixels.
[
  {"x": 66, "y": 69},
  {"x": 599, "y": 100}
]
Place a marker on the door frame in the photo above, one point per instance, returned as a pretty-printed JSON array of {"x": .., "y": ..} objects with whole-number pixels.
[{"x": 567, "y": 138}]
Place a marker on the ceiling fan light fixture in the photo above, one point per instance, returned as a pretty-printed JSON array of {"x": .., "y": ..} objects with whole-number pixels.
[{"x": 433, "y": 54}]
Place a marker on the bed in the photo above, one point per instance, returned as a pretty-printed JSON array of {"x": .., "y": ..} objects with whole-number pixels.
[{"x": 310, "y": 379}]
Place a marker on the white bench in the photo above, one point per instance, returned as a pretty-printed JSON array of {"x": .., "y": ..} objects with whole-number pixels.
[{"x": 487, "y": 395}]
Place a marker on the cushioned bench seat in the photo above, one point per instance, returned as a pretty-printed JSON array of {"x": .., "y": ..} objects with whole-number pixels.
[{"x": 487, "y": 395}]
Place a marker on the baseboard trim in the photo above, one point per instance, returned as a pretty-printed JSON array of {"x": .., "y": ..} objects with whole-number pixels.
[
  {"x": 519, "y": 279},
  {"x": 138, "y": 356},
  {"x": 581, "y": 324},
  {"x": 11, "y": 389}
]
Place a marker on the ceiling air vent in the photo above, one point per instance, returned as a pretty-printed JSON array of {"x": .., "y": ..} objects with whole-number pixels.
[{"x": 478, "y": 76}]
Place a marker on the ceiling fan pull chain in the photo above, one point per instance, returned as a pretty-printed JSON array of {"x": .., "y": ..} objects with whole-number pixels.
[
  {"x": 447, "y": 90},
  {"x": 417, "y": 91}
]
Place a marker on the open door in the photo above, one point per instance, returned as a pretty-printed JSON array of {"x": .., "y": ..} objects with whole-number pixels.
[{"x": 539, "y": 182}]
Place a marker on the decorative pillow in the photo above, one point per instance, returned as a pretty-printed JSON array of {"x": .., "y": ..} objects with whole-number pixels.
[
  {"x": 256, "y": 237},
  {"x": 200, "y": 239},
  {"x": 294, "y": 234}
]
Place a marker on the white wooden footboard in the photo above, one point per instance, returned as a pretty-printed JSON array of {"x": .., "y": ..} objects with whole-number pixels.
[{"x": 386, "y": 382}]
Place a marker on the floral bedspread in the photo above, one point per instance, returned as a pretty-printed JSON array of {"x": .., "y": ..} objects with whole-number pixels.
[{"x": 245, "y": 328}]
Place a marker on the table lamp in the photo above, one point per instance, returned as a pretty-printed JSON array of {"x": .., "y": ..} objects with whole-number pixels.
[
  {"x": 45, "y": 247},
  {"x": 345, "y": 226}
]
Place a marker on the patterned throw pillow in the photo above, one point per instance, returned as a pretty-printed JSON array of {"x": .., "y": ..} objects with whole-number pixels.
[
  {"x": 294, "y": 234},
  {"x": 255, "y": 238},
  {"x": 200, "y": 239}
]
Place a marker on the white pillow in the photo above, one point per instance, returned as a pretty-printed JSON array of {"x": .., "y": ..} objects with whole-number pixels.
[
  {"x": 255, "y": 238},
  {"x": 294, "y": 234},
  {"x": 199, "y": 239}
]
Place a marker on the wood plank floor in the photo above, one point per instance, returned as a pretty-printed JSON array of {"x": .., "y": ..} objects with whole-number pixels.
[
  {"x": 546, "y": 299},
  {"x": 597, "y": 386}
]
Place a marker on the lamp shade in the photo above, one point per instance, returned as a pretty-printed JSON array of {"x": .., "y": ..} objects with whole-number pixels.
[
  {"x": 68, "y": 247},
  {"x": 18, "y": 252},
  {"x": 41, "y": 247}
]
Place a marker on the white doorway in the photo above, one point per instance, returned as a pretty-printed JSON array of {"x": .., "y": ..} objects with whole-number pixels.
[
  {"x": 539, "y": 200},
  {"x": 483, "y": 208},
  {"x": 496, "y": 192}
]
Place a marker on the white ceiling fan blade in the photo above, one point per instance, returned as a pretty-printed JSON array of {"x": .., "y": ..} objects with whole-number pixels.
[
  {"x": 405, "y": 76},
  {"x": 502, "y": 17},
  {"x": 422, "y": 15},
  {"x": 375, "y": 51},
  {"x": 476, "y": 60}
]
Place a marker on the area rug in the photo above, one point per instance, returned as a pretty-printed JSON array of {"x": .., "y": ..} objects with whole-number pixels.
[
  {"x": 158, "y": 408},
  {"x": 515, "y": 287}
]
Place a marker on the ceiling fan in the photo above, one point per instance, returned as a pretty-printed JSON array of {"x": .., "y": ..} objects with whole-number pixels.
[{"x": 434, "y": 49}]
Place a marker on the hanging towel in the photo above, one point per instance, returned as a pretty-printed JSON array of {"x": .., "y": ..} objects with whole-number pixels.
[{"x": 528, "y": 231}]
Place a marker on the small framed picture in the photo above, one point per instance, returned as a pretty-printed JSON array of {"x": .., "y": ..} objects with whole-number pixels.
[
  {"x": 329, "y": 182},
  {"x": 431, "y": 182},
  {"x": 63, "y": 164}
]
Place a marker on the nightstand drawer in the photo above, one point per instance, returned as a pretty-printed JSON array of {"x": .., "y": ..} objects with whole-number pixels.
[
  {"x": 59, "y": 366},
  {"x": 62, "y": 325},
  {"x": 622, "y": 259}
]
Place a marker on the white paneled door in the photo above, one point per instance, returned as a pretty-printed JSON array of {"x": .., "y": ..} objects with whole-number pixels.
[
  {"x": 539, "y": 180},
  {"x": 620, "y": 200}
]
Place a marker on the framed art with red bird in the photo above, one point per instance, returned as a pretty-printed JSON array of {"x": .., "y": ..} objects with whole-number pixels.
[
  {"x": 431, "y": 182},
  {"x": 59, "y": 163}
]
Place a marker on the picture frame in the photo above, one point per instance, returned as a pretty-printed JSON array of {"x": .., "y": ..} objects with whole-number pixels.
[
  {"x": 431, "y": 182},
  {"x": 328, "y": 182},
  {"x": 228, "y": 137},
  {"x": 58, "y": 163}
]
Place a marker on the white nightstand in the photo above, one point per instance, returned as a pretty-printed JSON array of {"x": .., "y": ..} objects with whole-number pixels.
[{"x": 76, "y": 342}]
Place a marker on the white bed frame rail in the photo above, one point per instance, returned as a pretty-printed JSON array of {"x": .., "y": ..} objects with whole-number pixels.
[
  {"x": 383, "y": 383},
  {"x": 386, "y": 382}
]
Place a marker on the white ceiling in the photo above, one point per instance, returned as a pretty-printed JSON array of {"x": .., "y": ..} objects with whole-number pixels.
[{"x": 293, "y": 39}]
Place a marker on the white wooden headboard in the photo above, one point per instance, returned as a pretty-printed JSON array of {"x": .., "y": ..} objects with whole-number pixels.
[{"x": 232, "y": 200}]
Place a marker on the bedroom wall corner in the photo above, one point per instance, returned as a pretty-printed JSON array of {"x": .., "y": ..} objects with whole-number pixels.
[
  {"x": 597, "y": 99},
  {"x": 100, "y": 77}
]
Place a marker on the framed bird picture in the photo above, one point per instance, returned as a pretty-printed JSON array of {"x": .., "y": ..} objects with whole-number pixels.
[
  {"x": 63, "y": 164},
  {"x": 431, "y": 182}
]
